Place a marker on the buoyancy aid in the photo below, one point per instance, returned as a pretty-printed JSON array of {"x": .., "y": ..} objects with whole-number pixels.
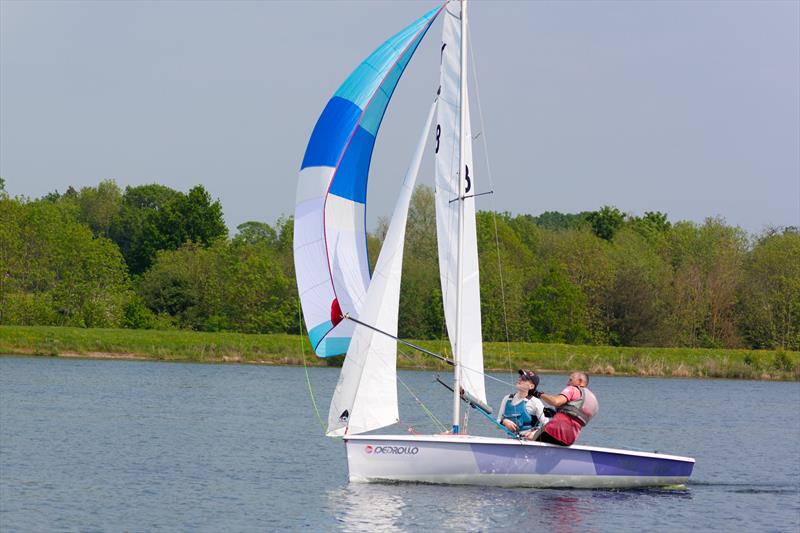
[
  {"x": 519, "y": 414},
  {"x": 582, "y": 409}
]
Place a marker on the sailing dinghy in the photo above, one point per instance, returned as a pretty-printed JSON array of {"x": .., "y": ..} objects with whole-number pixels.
[{"x": 348, "y": 311}]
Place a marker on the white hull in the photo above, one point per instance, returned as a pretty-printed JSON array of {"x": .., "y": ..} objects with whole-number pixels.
[{"x": 470, "y": 460}]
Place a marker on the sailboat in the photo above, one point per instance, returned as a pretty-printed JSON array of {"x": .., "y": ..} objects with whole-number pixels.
[{"x": 350, "y": 311}]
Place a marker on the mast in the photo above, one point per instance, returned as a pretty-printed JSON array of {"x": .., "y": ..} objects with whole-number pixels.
[{"x": 462, "y": 103}]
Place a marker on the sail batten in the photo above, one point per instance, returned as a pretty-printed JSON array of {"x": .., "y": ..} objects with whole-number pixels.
[{"x": 331, "y": 262}]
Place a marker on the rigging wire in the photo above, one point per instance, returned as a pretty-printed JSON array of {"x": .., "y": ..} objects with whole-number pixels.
[
  {"x": 425, "y": 409},
  {"x": 494, "y": 211},
  {"x": 423, "y": 350},
  {"x": 305, "y": 366}
]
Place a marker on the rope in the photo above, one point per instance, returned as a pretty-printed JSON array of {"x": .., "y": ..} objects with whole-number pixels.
[
  {"x": 494, "y": 211},
  {"x": 427, "y": 411},
  {"x": 305, "y": 367},
  {"x": 498, "y": 424},
  {"x": 423, "y": 350}
]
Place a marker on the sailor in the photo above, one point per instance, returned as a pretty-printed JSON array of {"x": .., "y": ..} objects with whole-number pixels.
[
  {"x": 575, "y": 407},
  {"x": 521, "y": 412}
]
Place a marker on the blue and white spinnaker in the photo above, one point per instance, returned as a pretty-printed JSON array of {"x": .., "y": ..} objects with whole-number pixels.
[{"x": 330, "y": 243}]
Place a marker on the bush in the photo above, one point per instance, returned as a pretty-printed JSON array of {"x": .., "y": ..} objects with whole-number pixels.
[{"x": 137, "y": 315}]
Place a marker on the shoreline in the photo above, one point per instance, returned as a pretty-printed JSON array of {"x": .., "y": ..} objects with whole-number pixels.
[
  {"x": 108, "y": 356},
  {"x": 293, "y": 350}
]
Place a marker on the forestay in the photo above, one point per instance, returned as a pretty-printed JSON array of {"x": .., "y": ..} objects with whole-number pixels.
[
  {"x": 446, "y": 146},
  {"x": 330, "y": 244}
]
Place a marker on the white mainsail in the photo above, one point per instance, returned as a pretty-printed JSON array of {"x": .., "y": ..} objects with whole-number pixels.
[
  {"x": 468, "y": 337},
  {"x": 366, "y": 394}
]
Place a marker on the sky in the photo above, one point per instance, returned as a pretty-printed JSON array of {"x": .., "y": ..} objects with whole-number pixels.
[{"x": 689, "y": 108}]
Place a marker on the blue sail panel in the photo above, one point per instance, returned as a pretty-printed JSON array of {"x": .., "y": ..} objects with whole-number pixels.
[
  {"x": 351, "y": 179},
  {"x": 373, "y": 115},
  {"x": 331, "y": 133}
]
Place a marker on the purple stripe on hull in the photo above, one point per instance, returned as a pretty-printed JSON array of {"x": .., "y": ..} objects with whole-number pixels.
[
  {"x": 518, "y": 459},
  {"x": 547, "y": 460},
  {"x": 611, "y": 464}
]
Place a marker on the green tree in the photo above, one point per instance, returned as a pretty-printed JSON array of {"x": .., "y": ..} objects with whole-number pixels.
[
  {"x": 558, "y": 310},
  {"x": 284, "y": 253},
  {"x": 421, "y": 225},
  {"x": 606, "y": 222},
  {"x": 198, "y": 218},
  {"x": 134, "y": 227},
  {"x": 178, "y": 284},
  {"x": 252, "y": 232},
  {"x": 526, "y": 230},
  {"x": 707, "y": 262},
  {"x": 228, "y": 286},
  {"x": 375, "y": 241},
  {"x": 12, "y": 246},
  {"x": 259, "y": 298},
  {"x": 192, "y": 217},
  {"x": 56, "y": 272},
  {"x": 418, "y": 299},
  {"x": 586, "y": 260},
  {"x": 157, "y": 218},
  {"x": 99, "y": 206},
  {"x": 554, "y": 220},
  {"x": 654, "y": 226},
  {"x": 136, "y": 315},
  {"x": 770, "y": 299},
  {"x": 638, "y": 299},
  {"x": 506, "y": 264}
]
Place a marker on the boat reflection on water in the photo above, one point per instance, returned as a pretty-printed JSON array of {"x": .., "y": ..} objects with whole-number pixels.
[
  {"x": 373, "y": 507},
  {"x": 361, "y": 507},
  {"x": 564, "y": 513},
  {"x": 417, "y": 506},
  {"x": 402, "y": 507}
]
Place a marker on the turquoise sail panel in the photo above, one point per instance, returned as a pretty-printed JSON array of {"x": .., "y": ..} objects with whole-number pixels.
[
  {"x": 330, "y": 243},
  {"x": 361, "y": 85}
]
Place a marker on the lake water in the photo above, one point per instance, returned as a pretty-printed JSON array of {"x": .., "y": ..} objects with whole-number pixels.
[{"x": 91, "y": 445}]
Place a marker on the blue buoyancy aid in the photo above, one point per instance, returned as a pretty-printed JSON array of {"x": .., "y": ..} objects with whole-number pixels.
[{"x": 519, "y": 414}]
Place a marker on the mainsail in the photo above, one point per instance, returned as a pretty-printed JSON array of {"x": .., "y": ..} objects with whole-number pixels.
[
  {"x": 330, "y": 245},
  {"x": 446, "y": 145}
]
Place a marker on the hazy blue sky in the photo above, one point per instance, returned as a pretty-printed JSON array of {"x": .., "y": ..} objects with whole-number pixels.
[{"x": 692, "y": 108}]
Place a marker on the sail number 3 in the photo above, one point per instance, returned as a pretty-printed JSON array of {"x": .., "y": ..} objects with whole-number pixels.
[{"x": 466, "y": 167}]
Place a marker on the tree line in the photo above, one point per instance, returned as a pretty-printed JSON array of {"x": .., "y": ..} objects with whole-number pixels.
[{"x": 152, "y": 257}]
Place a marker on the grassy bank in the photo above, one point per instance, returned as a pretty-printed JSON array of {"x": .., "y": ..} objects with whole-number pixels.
[{"x": 290, "y": 350}]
